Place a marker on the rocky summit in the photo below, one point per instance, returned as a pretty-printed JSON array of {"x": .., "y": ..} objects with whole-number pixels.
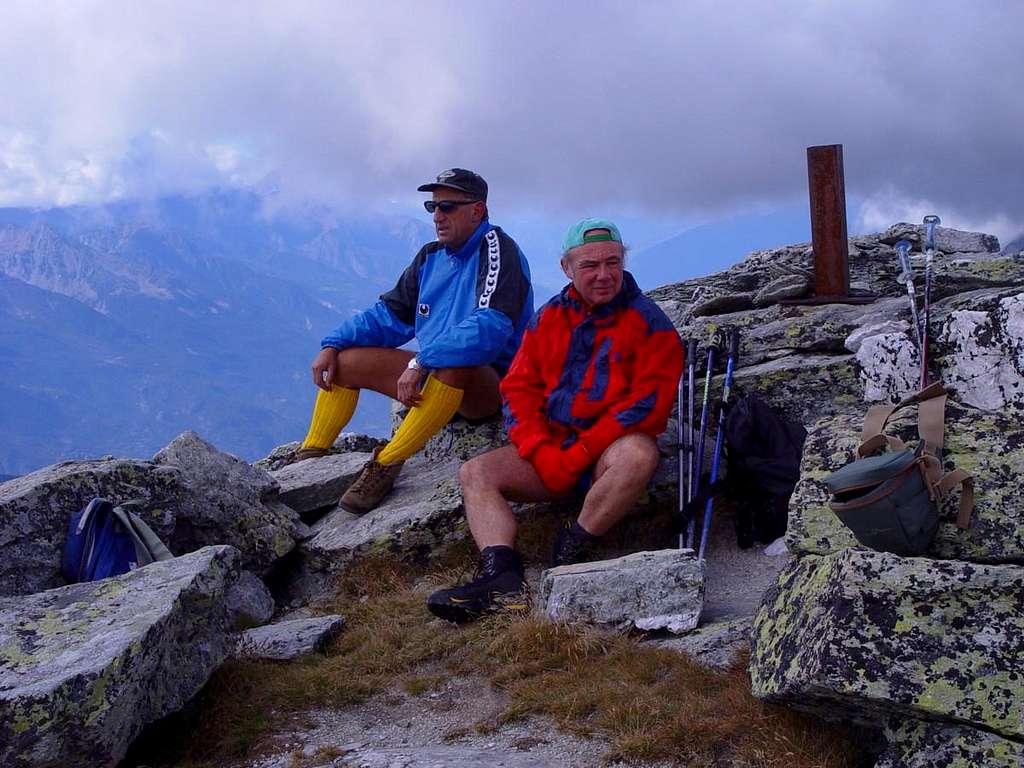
[{"x": 923, "y": 652}]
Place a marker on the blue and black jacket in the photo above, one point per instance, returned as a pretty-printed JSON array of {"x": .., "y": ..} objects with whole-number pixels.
[{"x": 465, "y": 308}]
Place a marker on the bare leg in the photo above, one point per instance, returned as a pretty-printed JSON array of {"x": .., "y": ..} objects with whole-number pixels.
[
  {"x": 621, "y": 475},
  {"x": 378, "y": 368},
  {"x": 489, "y": 482}
]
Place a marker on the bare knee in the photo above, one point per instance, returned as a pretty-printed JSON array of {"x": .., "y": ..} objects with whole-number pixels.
[
  {"x": 472, "y": 474},
  {"x": 637, "y": 454}
]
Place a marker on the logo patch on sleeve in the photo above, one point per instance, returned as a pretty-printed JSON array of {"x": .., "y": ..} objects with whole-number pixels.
[{"x": 423, "y": 310}]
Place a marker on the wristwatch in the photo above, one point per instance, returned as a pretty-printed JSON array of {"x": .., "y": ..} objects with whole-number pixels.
[{"x": 414, "y": 365}]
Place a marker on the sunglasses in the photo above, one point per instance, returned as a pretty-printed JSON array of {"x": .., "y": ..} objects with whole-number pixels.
[{"x": 445, "y": 206}]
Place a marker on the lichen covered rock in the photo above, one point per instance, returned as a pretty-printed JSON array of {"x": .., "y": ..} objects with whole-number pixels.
[
  {"x": 35, "y": 509},
  {"x": 84, "y": 667},
  {"x": 861, "y": 635},
  {"x": 229, "y": 502},
  {"x": 988, "y": 445},
  {"x": 921, "y": 744}
]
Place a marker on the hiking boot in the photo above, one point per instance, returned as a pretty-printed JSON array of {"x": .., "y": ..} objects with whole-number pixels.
[
  {"x": 301, "y": 454},
  {"x": 373, "y": 484},
  {"x": 498, "y": 584},
  {"x": 572, "y": 545}
]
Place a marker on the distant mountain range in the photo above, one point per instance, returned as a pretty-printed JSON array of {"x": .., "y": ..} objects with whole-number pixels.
[
  {"x": 1015, "y": 245},
  {"x": 122, "y": 325}
]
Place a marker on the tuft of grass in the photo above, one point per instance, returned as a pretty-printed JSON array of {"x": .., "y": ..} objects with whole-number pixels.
[{"x": 649, "y": 703}]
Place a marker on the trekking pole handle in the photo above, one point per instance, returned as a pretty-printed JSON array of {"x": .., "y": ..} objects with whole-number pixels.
[
  {"x": 931, "y": 221},
  {"x": 903, "y": 254},
  {"x": 716, "y": 340},
  {"x": 691, "y": 349},
  {"x": 734, "y": 344}
]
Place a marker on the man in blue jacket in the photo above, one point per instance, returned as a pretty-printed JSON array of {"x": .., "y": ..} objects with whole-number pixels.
[{"x": 466, "y": 298}]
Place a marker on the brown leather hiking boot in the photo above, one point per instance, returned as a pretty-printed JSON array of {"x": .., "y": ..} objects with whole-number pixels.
[
  {"x": 370, "y": 488},
  {"x": 301, "y": 454}
]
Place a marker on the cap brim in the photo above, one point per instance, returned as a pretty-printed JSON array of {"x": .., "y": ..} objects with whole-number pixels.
[{"x": 438, "y": 185}]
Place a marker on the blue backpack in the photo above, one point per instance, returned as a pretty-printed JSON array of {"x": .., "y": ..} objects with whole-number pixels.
[{"x": 104, "y": 540}]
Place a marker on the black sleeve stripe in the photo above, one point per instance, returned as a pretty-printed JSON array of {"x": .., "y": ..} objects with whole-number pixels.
[
  {"x": 403, "y": 298},
  {"x": 501, "y": 283}
]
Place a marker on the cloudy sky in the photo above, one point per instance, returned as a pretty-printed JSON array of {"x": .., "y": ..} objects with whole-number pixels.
[{"x": 682, "y": 111}]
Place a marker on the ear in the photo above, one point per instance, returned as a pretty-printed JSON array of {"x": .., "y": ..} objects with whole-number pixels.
[{"x": 567, "y": 267}]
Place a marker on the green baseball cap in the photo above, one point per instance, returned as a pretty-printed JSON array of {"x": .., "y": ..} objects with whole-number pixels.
[{"x": 577, "y": 233}]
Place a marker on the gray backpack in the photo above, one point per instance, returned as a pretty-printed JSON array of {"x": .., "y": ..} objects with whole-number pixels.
[{"x": 890, "y": 500}]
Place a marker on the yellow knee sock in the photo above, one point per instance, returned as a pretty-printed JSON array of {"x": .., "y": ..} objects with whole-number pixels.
[
  {"x": 330, "y": 414},
  {"x": 438, "y": 404}
]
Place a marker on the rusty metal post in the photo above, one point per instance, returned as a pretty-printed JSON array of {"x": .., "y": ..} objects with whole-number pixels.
[{"x": 828, "y": 221}]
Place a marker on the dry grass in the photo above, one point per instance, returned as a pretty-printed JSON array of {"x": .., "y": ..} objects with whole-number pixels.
[{"x": 649, "y": 703}]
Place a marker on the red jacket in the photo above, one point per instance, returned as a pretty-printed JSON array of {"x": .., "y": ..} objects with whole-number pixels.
[{"x": 584, "y": 378}]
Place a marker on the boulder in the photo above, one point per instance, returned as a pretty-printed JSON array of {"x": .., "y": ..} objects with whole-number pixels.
[
  {"x": 347, "y": 442},
  {"x": 794, "y": 286},
  {"x": 986, "y": 444},
  {"x": 862, "y": 635},
  {"x": 649, "y": 590},
  {"x": 922, "y": 744},
  {"x": 289, "y": 639},
  {"x": 229, "y": 502},
  {"x": 312, "y": 484},
  {"x": 249, "y": 602},
  {"x": 946, "y": 240},
  {"x": 35, "y": 509},
  {"x": 84, "y": 667},
  {"x": 421, "y": 515}
]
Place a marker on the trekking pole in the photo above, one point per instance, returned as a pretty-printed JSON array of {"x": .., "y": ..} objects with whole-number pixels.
[
  {"x": 714, "y": 343},
  {"x": 691, "y": 370},
  {"x": 930, "y": 221},
  {"x": 683, "y": 447},
  {"x": 734, "y": 351},
  {"x": 906, "y": 277}
]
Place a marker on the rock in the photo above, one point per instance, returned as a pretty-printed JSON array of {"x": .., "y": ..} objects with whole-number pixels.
[
  {"x": 856, "y": 339},
  {"x": 890, "y": 367},
  {"x": 716, "y": 645},
  {"x": 861, "y": 635},
  {"x": 946, "y": 240},
  {"x": 229, "y": 502},
  {"x": 722, "y": 304},
  {"x": 985, "y": 362},
  {"x": 920, "y": 744},
  {"x": 35, "y": 509},
  {"x": 989, "y": 445},
  {"x": 347, "y": 442},
  {"x": 315, "y": 483},
  {"x": 289, "y": 639},
  {"x": 249, "y": 601},
  {"x": 792, "y": 286},
  {"x": 422, "y": 515},
  {"x": 84, "y": 667},
  {"x": 650, "y": 590}
]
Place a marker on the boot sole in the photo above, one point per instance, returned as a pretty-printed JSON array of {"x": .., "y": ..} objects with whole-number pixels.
[{"x": 458, "y": 614}]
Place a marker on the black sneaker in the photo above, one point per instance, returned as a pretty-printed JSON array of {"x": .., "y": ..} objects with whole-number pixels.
[
  {"x": 572, "y": 545},
  {"x": 497, "y": 585}
]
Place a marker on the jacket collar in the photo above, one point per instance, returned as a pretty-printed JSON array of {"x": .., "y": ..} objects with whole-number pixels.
[{"x": 472, "y": 245}]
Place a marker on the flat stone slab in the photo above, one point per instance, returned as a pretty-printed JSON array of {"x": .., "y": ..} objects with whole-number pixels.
[
  {"x": 289, "y": 639},
  {"x": 716, "y": 645},
  {"x": 920, "y": 744},
  {"x": 863, "y": 635},
  {"x": 650, "y": 590},
  {"x": 315, "y": 483},
  {"x": 84, "y": 667}
]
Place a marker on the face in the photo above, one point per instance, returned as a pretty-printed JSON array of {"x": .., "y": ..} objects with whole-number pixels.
[
  {"x": 455, "y": 227},
  {"x": 596, "y": 270}
]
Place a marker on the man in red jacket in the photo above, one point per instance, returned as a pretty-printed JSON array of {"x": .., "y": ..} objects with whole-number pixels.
[{"x": 589, "y": 390}]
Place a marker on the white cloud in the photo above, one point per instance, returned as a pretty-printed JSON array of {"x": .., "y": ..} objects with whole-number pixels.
[{"x": 685, "y": 107}]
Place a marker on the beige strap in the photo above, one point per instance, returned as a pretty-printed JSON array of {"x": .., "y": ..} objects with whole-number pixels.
[
  {"x": 958, "y": 476},
  {"x": 931, "y": 423},
  {"x": 871, "y": 446},
  {"x": 874, "y": 421}
]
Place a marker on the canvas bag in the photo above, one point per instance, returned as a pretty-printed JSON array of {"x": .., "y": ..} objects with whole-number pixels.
[
  {"x": 891, "y": 500},
  {"x": 104, "y": 540}
]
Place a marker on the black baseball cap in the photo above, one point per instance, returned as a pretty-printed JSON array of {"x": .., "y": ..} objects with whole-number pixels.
[{"x": 461, "y": 180}]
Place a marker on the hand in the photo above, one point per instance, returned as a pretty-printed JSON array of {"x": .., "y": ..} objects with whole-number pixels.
[
  {"x": 325, "y": 365},
  {"x": 549, "y": 462},
  {"x": 409, "y": 387}
]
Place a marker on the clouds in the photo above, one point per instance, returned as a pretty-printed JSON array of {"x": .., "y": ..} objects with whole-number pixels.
[{"x": 683, "y": 107}]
